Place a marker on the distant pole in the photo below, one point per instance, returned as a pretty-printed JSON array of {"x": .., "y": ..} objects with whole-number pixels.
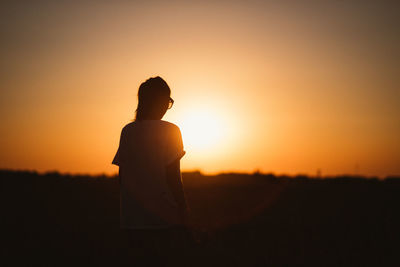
[
  {"x": 318, "y": 173},
  {"x": 357, "y": 169}
]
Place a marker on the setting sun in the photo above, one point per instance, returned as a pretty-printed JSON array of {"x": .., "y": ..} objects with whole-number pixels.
[{"x": 202, "y": 130}]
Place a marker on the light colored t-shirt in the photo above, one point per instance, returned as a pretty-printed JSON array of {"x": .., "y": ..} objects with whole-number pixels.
[{"x": 146, "y": 147}]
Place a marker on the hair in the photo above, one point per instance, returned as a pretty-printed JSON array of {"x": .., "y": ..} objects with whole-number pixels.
[{"x": 149, "y": 94}]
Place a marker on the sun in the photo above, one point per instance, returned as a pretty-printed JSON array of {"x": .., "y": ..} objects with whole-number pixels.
[{"x": 202, "y": 130}]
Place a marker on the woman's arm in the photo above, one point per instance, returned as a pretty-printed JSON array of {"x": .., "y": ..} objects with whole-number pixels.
[{"x": 174, "y": 182}]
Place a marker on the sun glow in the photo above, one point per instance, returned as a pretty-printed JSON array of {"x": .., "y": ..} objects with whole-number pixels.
[{"x": 202, "y": 130}]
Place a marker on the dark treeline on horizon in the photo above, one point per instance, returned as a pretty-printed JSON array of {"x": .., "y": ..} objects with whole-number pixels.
[
  {"x": 55, "y": 219},
  {"x": 199, "y": 173}
]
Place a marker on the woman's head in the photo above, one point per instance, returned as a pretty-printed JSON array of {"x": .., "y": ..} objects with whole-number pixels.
[{"x": 154, "y": 99}]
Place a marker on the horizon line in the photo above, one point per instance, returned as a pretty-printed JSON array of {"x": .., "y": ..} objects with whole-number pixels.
[{"x": 224, "y": 172}]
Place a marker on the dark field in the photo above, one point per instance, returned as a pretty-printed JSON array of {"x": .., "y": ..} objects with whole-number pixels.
[{"x": 247, "y": 220}]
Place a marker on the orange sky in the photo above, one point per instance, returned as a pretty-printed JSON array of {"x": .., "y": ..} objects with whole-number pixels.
[{"x": 293, "y": 85}]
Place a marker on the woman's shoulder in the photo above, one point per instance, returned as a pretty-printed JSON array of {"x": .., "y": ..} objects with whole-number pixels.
[
  {"x": 169, "y": 125},
  {"x": 151, "y": 124},
  {"x": 127, "y": 126},
  {"x": 168, "y": 128}
]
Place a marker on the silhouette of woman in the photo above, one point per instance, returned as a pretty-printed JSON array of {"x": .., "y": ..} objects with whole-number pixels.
[{"x": 153, "y": 207}]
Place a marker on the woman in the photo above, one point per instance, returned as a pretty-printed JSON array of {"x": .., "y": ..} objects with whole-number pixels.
[{"x": 153, "y": 207}]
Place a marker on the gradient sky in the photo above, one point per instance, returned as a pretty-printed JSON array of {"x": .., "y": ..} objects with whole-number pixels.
[{"x": 295, "y": 86}]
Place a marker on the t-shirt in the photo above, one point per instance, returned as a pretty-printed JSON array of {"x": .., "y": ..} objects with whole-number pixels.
[{"x": 146, "y": 147}]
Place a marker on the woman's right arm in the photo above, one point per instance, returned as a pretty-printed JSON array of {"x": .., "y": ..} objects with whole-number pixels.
[{"x": 174, "y": 182}]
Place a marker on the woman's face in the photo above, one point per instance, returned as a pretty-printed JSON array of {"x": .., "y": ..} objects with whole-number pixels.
[{"x": 163, "y": 103}]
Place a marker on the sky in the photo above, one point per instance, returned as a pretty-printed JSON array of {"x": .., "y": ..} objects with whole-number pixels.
[{"x": 288, "y": 87}]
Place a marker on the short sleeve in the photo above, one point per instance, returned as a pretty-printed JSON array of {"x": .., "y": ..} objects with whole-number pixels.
[
  {"x": 116, "y": 160},
  {"x": 174, "y": 146},
  {"x": 117, "y": 157}
]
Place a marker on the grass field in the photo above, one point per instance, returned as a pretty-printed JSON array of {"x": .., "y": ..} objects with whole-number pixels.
[{"x": 246, "y": 220}]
